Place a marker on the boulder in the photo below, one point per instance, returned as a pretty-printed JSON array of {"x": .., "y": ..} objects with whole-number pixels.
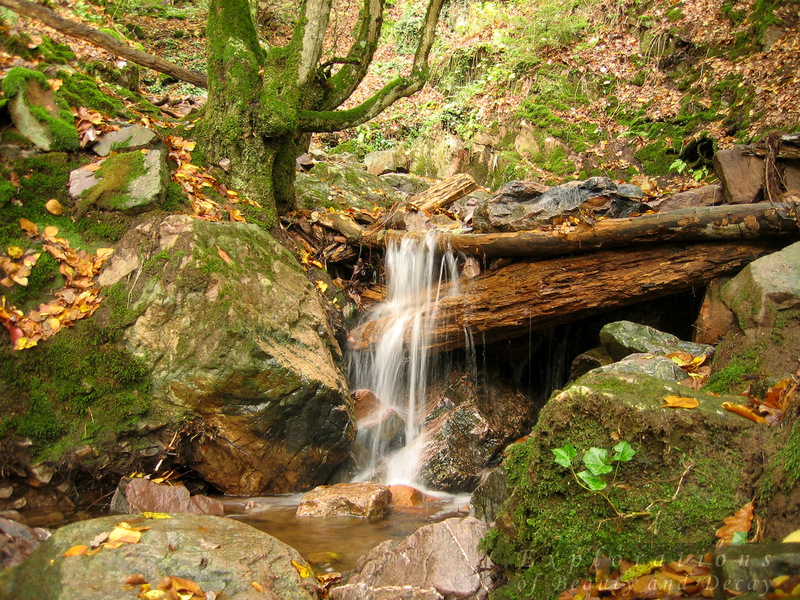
[
  {"x": 707, "y": 195},
  {"x": 753, "y": 567},
  {"x": 130, "y": 182},
  {"x": 365, "y": 500},
  {"x": 488, "y": 497},
  {"x": 379, "y": 427},
  {"x": 406, "y": 183},
  {"x": 142, "y": 495},
  {"x": 586, "y": 361},
  {"x": 217, "y": 554},
  {"x": 406, "y": 496},
  {"x": 468, "y": 424},
  {"x": 764, "y": 289},
  {"x": 131, "y": 137},
  {"x": 354, "y": 186},
  {"x": 520, "y": 205},
  {"x": 238, "y": 344},
  {"x": 692, "y": 468},
  {"x": 742, "y": 176},
  {"x": 714, "y": 319},
  {"x": 393, "y": 160},
  {"x": 37, "y": 113},
  {"x": 17, "y": 541},
  {"x": 646, "y": 363},
  {"x": 439, "y": 561},
  {"x": 621, "y": 338}
]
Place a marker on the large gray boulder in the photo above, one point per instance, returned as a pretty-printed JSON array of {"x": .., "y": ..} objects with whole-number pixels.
[
  {"x": 439, "y": 561},
  {"x": 131, "y": 137},
  {"x": 217, "y": 554},
  {"x": 764, "y": 289},
  {"x": 647, "y": 364},
  {"x": 621, "y": 338},
  {"x": 238, "y": 341},
  {"x": 520, "y": 205}
]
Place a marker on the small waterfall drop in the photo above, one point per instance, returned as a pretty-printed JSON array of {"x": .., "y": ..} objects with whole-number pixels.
[{"x": 396, "y": 369}]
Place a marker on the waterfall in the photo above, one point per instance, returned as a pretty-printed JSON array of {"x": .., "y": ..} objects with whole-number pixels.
[{"x": 396, "y": 369}]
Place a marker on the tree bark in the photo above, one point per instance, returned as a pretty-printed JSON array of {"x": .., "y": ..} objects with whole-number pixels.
[
  {"x": 529, "y": 296},
  {"x": 741, "y": 221},
  {"x": 113, "y": 45},
  {"x": 444, "y": 193}
]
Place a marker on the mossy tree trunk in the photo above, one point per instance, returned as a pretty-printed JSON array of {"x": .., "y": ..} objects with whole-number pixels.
[{"x": 263, "y": 103}]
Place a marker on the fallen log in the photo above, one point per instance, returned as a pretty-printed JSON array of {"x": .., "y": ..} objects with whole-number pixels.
[
  {"x": 743, "y": 221},
  {"x": 535, "y": 295},
  {"x": 444, "y": 193}
]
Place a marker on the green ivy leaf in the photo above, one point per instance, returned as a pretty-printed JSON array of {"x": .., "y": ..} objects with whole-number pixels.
[
  {"x": 739, "y": 537},
  {"x": 623, "y": 452},
  {"x": 594, "y": 483},
  {"x": 596, "y": 460},
  {"x": 565, "y": 455}
]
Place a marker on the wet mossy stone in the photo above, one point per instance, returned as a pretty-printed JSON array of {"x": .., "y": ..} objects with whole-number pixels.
[
  {"x": 132, "y": 137},
  {"x": 360, "y": 188},
  {"x": 647, "y": 364},
  {"x": 692, "y": 468},
  {"x": 36, "y": 112},
  {"x": 622, "y": 338}
]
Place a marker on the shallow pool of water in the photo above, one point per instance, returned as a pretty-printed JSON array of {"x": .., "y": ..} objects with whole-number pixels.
[{"x": 334, "y": 544}]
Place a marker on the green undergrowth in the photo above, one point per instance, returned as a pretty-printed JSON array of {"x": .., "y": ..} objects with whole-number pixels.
[{"x": 687, "y": 475}]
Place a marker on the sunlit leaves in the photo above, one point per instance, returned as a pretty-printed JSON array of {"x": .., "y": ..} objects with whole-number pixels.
[
  {"x": 739, "y": 524},
  {"x": 597, "y": 463},
  {"x": 680, "y": 402},
  {"x": 565, "y": 455}
]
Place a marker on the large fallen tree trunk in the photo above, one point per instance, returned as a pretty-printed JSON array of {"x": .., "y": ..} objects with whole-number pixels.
[
  {"x": 535, "y": 295},
  {"x": 690, "y": 224},
  {"x": 113, "y": 45}
]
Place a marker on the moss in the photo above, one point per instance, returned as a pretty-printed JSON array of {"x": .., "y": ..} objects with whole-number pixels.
[
  {"x": 17, "y": 78},
  {"x": 78, "y": 89},
  {"x": 7, "y": 192},
  {"x": 102, "y": 228},
  {"x": 115, "y": 174},
  {"x": 656, "y": 158},
  {"x": 44, "y": 275},
  {"x": 732, "y": 378},
  {"x": 55, "y": 53},
  {"x": 175, "y": 197},
  {"x": 65, "y": 135}
]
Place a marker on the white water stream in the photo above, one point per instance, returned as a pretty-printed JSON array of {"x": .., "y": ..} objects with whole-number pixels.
[{"x": 397, "y": 369}]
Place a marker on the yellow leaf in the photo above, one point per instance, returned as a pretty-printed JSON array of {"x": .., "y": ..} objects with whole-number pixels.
[
  {"x": 24, "y": 343},
  {"x": 743, "y": 411},
  {"x": 793, "y": 537},
  {"x": 680, "y": 402},
  {"x": 104, "y": 252},
  {"x": 155, "y": 515},
  {"x": 302, "y": 569},
  {"x": 322, "y": 286},
  {"x": 15, "y": 251},
  {"x": 76, "y": 550},
  {"x": 50, "y": 231},
  {"x": 54, "y": 207},
  {"x": 257, "y": 586}
]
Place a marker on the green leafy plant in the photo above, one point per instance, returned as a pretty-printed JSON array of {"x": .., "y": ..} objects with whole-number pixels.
[
  {"x": 598, "y": 465},
  {"x": 679, "y": 166}
]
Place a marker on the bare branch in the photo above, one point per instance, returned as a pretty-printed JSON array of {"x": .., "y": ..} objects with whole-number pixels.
[
  {"x": 313, "y": 22},
  {"x": 113, "y": 45}
]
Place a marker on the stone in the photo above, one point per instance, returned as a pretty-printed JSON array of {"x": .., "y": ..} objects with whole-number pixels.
[
  {"x": 791, "y": 175},
  {"x": 113, "y": 186},
  {"x": 364, "y": 500},
  {"x": 467, "y": 426},
  {"x": 439, "y": 561},
  {"x": 355, "y": 186},
  {"x": 379, "y": 427},
  {"x": 304, "y": 161},
  {"x": 586, "y": 361},
  {"x": 646, "y": 363},
  {"x": 742, "y": 176},
  {"x": 242, "y": 348},
  {"x": 519, "y": 205},
  {"x": 56, "y": 131},
  {"x": 764, "y": 289},
  {"x": 715, "y": 319},
  {"x": 489, "y": 496},
  {"x": 130, "y": 137},
  {"x": 39, "y": 475},
  {"x": 218, "y": 554},
  {"x": 752, "y": 567},
  {"x": 707, "y": 195},
  {"x": 142, "y": 495},
  {"x": 17, "y": 541},
  {"x": 621, "y": 338},
  {"x": 392, "y": 160},
  {"x": 406, "y": 496},
  {"x": 406, "y": 183}
]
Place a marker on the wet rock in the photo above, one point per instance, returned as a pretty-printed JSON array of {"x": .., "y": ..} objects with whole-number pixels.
[
  {"x": 29, "y": 92},
  {"x": 489, "y": 496},
  {"x": 520, "y": 205},
  {"x": 714, "y": 319},
  {"x": 218, "y": 554},
  {"x": 707, "y": 195},
  {"x": 647, "y": 364},
  {"x": 142, "y": 495},
  {"x": 622, "y": 338},
  {"x": 585, "y": 362},
  {"x": 131, "y": 182},
  {"x": 365, "y": 500},
  {"x": 467, "y": 427},
  {"x": 764, "y": 289},
  {"x": 438, "y": 561},
  {"x": 243, "y": 348},
  {"x": 742, "y": 176},
  {"x": 39, "y": 475},
  {"x": 406, "y": 496},
  {"x": 378, "y": 425},
  {"x": 131, "y": 137},
  {"x": 17, "y": 541},
  {"x": 752, "y": 567}
]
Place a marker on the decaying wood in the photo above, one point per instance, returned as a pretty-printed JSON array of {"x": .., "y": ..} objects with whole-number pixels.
[
  {"x": 444, "y": 193},
  {"x": 535, "y": 295},
  {"x": 788, "y": 146},
  {"x": 343, "y": 224},
  {"x": 741, "y": 221},
  {"x": 113, "y": 45}
]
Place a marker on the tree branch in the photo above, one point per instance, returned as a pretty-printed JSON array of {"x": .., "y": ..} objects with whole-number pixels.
[
  {"x": 311, "y": 25},
  {"x": 113, "y": 45}
]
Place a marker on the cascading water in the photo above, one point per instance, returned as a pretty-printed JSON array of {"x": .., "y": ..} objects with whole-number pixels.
[{"x": 396, "y": 369}]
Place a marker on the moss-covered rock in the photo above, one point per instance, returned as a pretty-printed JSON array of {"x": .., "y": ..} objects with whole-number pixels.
[
  {"x": 234, "y": 335},
  {"x": 353, "y": 186},
  {"x": 689, "y": 472}
]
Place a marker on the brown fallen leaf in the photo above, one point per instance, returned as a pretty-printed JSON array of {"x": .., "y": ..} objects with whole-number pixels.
[
  {"x": 29, "y": 227},
  {"x": 78, "y": 550},
  {"x": 740, "y": 521},
  {"x": 257, "y": 586},
  {"x": 54, "y": 207},
  {"x": 680, "y": 402},
  {"x": 136, "y": 579},
  {"x": 744, "y": 411},
  {"x": 223, "y": 255}
]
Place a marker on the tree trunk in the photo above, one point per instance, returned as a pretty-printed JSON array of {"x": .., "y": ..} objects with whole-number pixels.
[{"x": 529, "y": 296}]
